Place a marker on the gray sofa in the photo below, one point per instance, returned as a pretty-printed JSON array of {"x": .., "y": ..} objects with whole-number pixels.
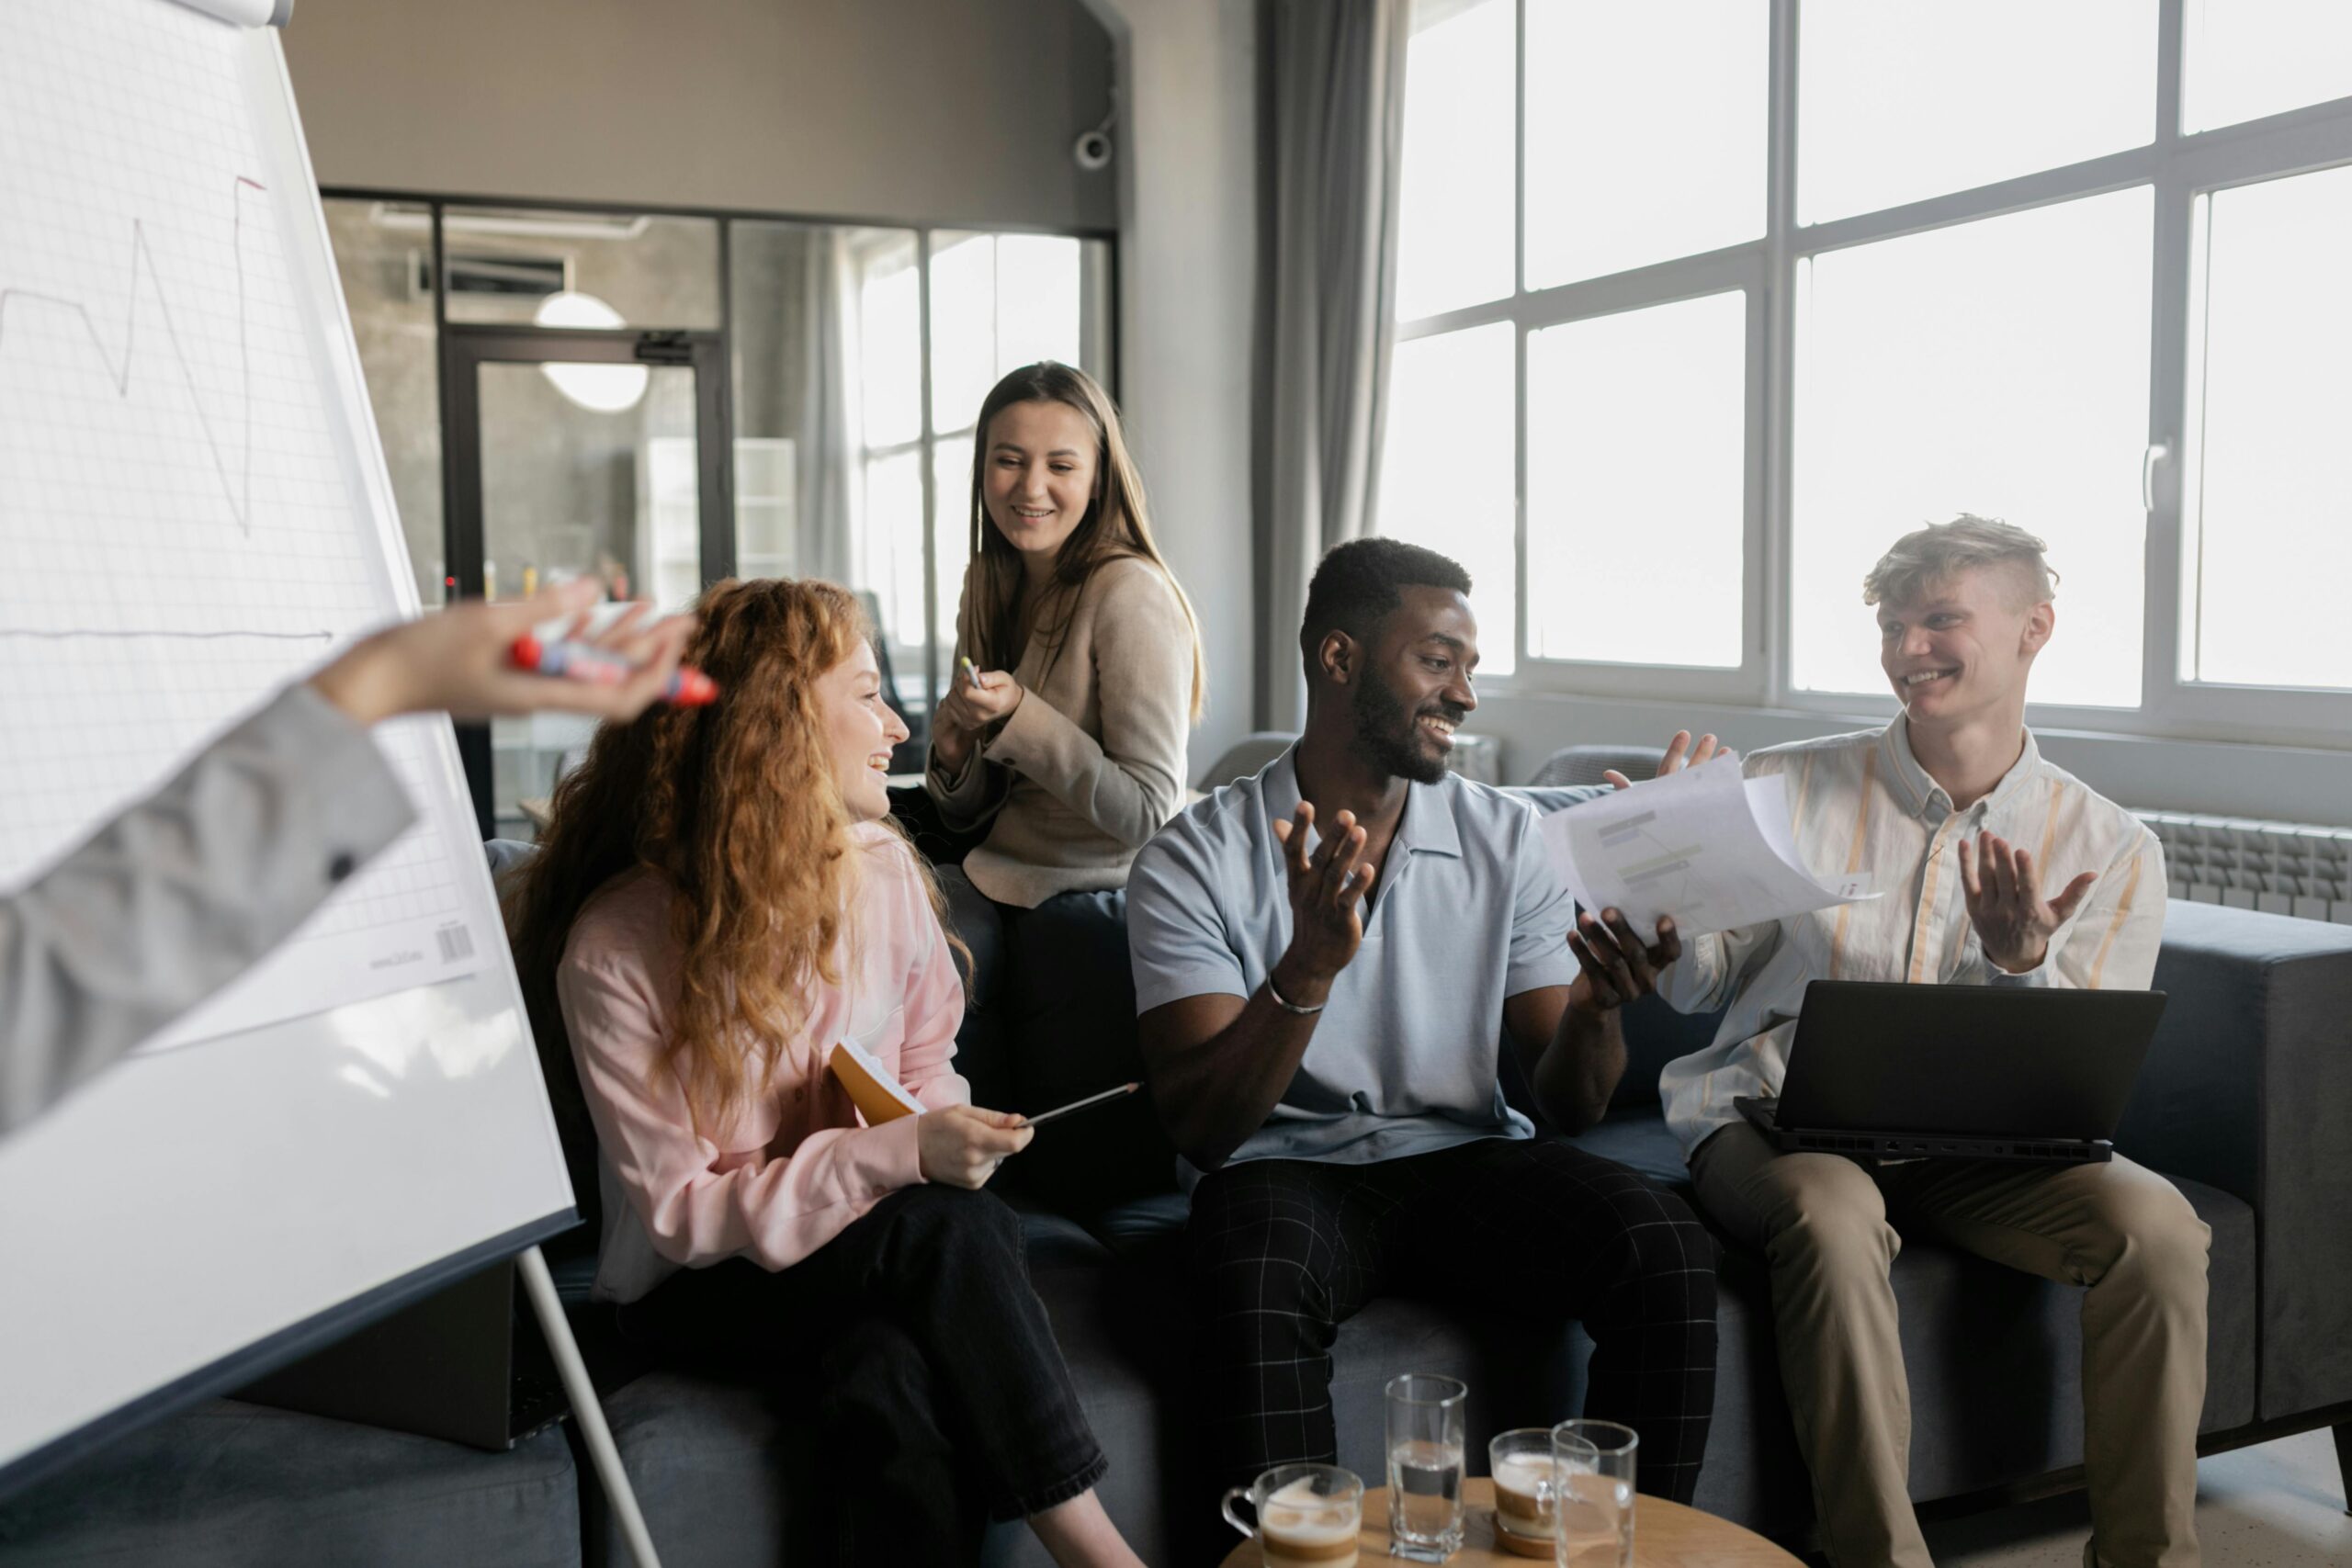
[{"x": 2245, "y": 1102}]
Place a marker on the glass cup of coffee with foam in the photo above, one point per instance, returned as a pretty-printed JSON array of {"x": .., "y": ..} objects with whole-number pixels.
[
  {"x": 1309, "y": 1515},
  {"x": 1526, "y": 1491}
]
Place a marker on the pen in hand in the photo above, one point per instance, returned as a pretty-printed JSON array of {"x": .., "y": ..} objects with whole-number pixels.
[{"x": 1045, "y": 1116}]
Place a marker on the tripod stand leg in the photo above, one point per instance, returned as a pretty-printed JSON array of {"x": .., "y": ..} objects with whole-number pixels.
[{"x": 541, "y": 1287}]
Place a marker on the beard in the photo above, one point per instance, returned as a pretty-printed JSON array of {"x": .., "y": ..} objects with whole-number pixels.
[{"x": 1390, "y": 734}]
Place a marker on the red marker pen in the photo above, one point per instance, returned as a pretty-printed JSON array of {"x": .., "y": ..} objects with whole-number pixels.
[{"x": 585, "y": 661}]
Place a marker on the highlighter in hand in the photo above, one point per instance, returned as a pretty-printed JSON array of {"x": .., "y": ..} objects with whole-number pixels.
[{"x": 585, "y": 661}]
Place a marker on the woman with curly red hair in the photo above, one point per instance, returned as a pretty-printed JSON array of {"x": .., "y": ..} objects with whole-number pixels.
[{"x": 719, "y": 900}]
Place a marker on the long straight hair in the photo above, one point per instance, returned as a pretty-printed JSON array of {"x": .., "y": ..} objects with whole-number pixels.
[{"x": 1117, "y": 525}]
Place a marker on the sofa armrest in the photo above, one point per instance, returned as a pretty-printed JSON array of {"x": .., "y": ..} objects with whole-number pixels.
[{"x": 2248, "y": 1088}]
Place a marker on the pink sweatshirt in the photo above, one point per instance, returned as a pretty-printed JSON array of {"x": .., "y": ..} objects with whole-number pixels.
[{"x": 789, "y": 1169}]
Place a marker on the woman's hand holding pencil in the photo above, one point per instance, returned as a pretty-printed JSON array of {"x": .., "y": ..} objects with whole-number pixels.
[{"x": 975, "y": 700}]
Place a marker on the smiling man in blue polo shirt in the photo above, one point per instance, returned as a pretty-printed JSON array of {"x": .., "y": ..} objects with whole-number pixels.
[{"x": 1321, "y": 1020}]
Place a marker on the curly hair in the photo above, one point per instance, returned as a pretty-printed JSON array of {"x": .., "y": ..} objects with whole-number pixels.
[{"x": 737, "y": 806}]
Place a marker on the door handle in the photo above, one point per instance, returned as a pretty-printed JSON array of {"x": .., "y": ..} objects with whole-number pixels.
[{"x": 2157, "y": 452}]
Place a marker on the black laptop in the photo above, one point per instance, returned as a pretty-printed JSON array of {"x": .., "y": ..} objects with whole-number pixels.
[{"x": 1968, "y": 1072}]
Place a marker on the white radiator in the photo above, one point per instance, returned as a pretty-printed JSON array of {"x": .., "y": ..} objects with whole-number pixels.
[{"x": 2276, "y": 866}]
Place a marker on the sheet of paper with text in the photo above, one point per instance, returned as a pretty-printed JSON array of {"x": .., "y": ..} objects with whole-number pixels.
[{"x": 1704, "y": 845}]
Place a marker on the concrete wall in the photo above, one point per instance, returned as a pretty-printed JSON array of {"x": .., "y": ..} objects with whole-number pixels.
[
  {"x": 394, "y": 326},
  {"x": 951, "y": 111},
  {"x": 1187, "y": 164}
]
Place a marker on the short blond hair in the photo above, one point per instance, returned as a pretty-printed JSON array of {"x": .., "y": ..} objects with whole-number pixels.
[{"x": 1940, "y": 550}]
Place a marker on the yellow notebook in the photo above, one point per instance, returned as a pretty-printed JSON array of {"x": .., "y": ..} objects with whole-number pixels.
[{"x": 873, "y": 1088}]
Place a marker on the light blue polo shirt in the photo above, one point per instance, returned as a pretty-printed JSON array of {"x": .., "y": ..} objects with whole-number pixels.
[{"x": 1468, "y": 911}]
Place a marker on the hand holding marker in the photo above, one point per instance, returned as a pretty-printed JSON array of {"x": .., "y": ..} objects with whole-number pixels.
[
  {"x": 461, "y": 661},
  {"x": 577, "y": 661}
]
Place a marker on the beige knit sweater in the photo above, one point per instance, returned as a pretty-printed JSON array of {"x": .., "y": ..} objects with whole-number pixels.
[{"x": 1091, "y": 763}]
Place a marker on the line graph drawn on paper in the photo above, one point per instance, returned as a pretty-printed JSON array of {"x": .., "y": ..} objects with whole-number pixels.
[
  {"x": 240, "y": 495},
  {"x": 185, "y": 526}
]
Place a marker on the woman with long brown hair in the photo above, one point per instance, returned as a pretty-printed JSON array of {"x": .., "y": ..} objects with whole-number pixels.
[
  {"x": 1064, "y": 736},
  {"x": 720, "y": 902}
]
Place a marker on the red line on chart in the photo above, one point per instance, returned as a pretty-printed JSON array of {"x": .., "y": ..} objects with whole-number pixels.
[{"x": 239, "y": 495}]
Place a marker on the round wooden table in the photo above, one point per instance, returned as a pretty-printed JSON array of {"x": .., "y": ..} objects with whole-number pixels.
[{"x": 1666, "y": 1535}]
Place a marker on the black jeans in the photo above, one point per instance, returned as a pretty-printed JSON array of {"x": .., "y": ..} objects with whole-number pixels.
[
  {"x": 938, "y": 1397},
  {"x": 1284, "y": 1251}
]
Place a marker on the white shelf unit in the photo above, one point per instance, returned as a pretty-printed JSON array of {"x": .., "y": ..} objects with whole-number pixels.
[{"x": 668, "y": 513}]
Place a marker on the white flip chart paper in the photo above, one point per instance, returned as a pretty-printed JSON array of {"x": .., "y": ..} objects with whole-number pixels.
[{"x": 1704, "y": 845}]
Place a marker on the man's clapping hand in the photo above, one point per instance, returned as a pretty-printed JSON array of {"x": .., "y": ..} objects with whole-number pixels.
[
  {"x": 2014, "y": 923},
  {"x": 1327, "y": 893}
]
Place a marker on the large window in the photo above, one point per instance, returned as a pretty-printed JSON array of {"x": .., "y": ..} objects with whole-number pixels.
[
  {"x": 995, "y": 303},
  {"x": 1700, "y": 305},
  {"x": 998, "y": 302},
  {"x": 2000, "y": 368}
]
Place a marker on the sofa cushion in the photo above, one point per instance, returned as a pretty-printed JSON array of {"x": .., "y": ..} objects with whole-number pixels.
[
  {"x": 2247, "y": 1087},
  {"x": 1654, "y": 1035},
  {"x": 244, "y": 1486},
  {"x": 1052, "y": 1240},
  {"x": 1141, "y": 1222},
  {"x": 710, "y": 1461}
]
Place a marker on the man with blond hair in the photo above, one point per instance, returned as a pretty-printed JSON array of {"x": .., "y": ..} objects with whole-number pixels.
[{"x": 1996, "y": 867}]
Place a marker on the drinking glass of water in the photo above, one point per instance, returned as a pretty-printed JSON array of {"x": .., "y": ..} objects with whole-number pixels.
[
  {"x": 1425, "y": 1465},
  {"x": 1593, "y": 1495}
]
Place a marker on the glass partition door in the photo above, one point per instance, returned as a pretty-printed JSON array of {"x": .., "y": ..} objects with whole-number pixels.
[{"x": 575, "y": 454}]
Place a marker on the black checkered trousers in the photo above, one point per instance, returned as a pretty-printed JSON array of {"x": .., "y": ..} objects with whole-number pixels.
[{"x": 1284, "y": 1251}]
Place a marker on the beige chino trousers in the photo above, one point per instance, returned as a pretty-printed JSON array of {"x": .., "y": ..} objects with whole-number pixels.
[{"x": 1829, "y": 1227}]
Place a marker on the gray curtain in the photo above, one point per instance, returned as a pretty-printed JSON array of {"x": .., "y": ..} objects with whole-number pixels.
[
  {"x": 825, "y": 456},
  {"x": 1332, "y": 92},
  {"x": 793, "y": 377}
]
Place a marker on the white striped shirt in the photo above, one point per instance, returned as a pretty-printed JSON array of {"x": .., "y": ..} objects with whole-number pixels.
[{"x": 1861, "y": 802}]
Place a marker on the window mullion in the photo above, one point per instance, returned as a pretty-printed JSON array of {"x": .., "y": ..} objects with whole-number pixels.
[
  {"x": 1771, "y": 602},
  {"x": 2171, "y": 30},
  {"x": 927, "y": 479},
  {"x": 1520, "y": 613},
  {"x": 1519, "y": 153},
  {"x": 2163, "y": 615}
]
